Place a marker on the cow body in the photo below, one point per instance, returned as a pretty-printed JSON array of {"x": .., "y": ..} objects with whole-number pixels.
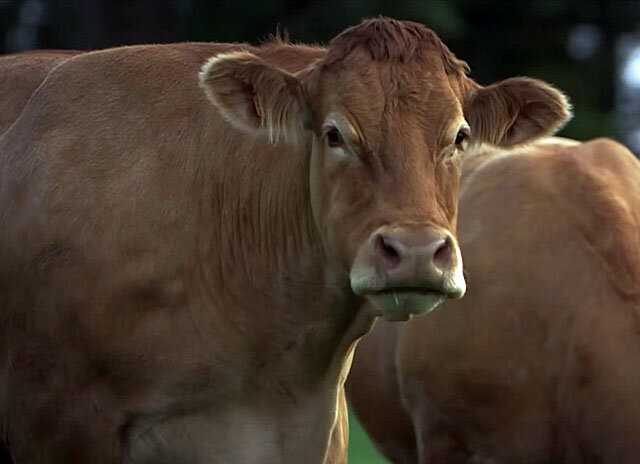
[
  {"x": 189, "y": 240},
  {"x": 537, "y": 364},
  {"x": 136, "y": 277}
]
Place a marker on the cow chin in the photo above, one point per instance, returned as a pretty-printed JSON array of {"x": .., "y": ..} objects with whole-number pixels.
[
  {"x": 399, "y": 301},
  {"x": 401, "y": 305}
]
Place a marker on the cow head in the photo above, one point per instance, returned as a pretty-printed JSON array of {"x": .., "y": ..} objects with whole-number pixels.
[{"x": 387, "y": 114}]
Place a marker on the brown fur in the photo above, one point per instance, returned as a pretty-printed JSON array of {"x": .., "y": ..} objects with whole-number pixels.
[
  {"x": 20, "y": 75},
  {"x": 174, "y": 288},
  {"x": 537, "y": 363},
  {"x": 391, "y": 40},
  {"x": 272, "y": 111},
  {"x": 505, "y": 119}
]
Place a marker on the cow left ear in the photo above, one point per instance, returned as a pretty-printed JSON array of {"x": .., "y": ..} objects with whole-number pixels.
[
  {"x": 255, "y": 96},
  {"x": 515, "y": 111}
]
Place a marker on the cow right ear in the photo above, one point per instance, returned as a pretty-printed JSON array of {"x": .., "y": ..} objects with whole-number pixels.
[
  {"x": 255, "y": 96},
  {"x": 515, "y": 111}
]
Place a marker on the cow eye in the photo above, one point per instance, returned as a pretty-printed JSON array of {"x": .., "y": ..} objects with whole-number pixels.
[
  {"x": 462, "y": 136},
  {"x": 334, "y": 138}
]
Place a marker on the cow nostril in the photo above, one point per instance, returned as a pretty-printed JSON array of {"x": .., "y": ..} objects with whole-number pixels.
[
  {"x": 389, "y": 252},
  {"x": 444, "y": 254}
]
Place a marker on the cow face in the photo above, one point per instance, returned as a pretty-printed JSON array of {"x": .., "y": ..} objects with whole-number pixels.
[{"x": 387, "y": 112}]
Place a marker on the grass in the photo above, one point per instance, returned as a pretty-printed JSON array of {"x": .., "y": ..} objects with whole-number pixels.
[{"x": 361, "y": 450}]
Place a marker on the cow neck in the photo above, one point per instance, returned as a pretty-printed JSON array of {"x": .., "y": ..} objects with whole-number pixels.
[{"x": 273, "y": 268}]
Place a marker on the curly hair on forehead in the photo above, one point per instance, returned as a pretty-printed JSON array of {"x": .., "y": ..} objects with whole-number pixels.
[{"x": 387, "y": 39}]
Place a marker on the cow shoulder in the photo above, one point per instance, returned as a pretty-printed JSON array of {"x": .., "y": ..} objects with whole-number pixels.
[
  {"x": 610, "y": 176},
  {"x": 596, "y": 186},
  {"x": 20, "y": 75},
  {"x": 117, "y": 78},
  {"x": 592, "y": 186},
  {"x": 96, "y": 107}
]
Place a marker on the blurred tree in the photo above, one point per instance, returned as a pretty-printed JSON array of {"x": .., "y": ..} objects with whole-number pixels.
[{"x": 107, "y": 23}]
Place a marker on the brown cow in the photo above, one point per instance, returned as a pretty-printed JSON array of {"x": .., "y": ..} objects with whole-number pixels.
[
  {"x": 20, "y": 75},
  {"x": 183, "y": 278},
  {"x": 539, "y": 362}
]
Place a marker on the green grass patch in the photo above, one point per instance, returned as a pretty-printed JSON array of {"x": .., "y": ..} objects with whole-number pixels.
[{"x": 361, "y": 450}]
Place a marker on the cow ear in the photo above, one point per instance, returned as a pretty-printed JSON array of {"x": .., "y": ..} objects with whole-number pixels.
[
  {"x": 255, "y": 96},
  {"x": 515, "y": 111}
]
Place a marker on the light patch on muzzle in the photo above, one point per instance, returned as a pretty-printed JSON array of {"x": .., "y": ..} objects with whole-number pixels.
[
  {"x": 455, "y": 285},
  {"x": 399, "y": 301},
  {"x": 402, "y": 305}
]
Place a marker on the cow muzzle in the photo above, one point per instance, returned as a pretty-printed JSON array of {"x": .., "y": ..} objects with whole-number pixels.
[{"x": 408, "y": 270}]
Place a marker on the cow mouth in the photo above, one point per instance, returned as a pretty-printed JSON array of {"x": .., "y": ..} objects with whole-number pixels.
[{"x": 402, "y": 303}]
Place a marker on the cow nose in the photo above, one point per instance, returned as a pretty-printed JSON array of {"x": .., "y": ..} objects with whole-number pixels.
[
  {"x": 412, "y": 267},
  {"x": 416, "y": 258},
  {"x": 400, "y": 255}
]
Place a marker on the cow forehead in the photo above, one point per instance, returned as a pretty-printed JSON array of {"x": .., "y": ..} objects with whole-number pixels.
[
  {"x": 360, "y": 74},
  {"x": 376, "y": 97}
]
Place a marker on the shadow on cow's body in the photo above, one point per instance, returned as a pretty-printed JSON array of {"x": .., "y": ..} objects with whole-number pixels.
[
  {"x": 537, "y": 363},
  {"x": 191, "y": 231}
]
